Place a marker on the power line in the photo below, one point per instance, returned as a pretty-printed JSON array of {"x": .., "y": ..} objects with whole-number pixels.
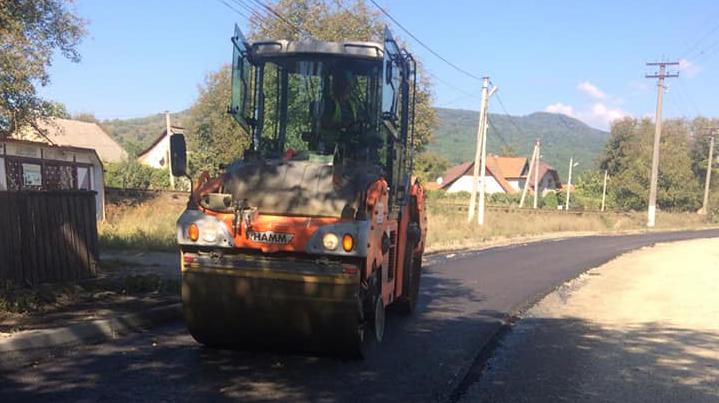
[
  {"x": 281, "y": 18},
  {"x": 511, "y": 118},
  {"x": 432, "y": 51},
  {"x": 496, "y": 131},
  {"x": 233, "y": 9}
]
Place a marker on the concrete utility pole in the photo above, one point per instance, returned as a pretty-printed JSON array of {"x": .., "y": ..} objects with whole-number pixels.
[
  {"x": 483, "y": 167},
  {"x": 478, "y": 152},
  {"x": 604, "y": 189},
  {"x": 536, "y": 174},
  {"x": 705, "y": 205},
  {"x": 535, "y": 154},
  {"x": 660, "y": 76},
  {"x": 569, "y": 182},
  {"x": 168, "y": 156}
]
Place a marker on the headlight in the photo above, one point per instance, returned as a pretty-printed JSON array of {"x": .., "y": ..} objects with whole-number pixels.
[
  {"x": 209, "y": 232},
  {"x": 330, "y": 241}
]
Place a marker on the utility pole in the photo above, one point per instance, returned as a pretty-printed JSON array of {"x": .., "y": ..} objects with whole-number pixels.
[
  {"x": 569, "y": 183},
  {"x": 705, "y": 205},
  {"x": 604, "y": 189},
  {"x": 660, "y": 76},
  {"x": 168, "y": 156},
  {"x": 535, "y": 154},
  {"x": 483, "y": 166},
  {"x": 536, "y": 173},
  {"x": 478, "y": 152}
]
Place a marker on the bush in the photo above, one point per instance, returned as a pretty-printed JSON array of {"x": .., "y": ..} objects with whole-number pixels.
[
  {"x": 133, "y": 175},
  {"x": 550, "y": 201}
]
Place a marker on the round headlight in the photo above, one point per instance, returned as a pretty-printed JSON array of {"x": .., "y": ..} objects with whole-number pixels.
[
  {"x": 209, "y": 232},
  {"x": 330, "y": 241}
]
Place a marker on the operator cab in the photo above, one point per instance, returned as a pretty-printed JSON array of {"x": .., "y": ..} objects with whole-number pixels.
[{"x": 336, "y": 103}]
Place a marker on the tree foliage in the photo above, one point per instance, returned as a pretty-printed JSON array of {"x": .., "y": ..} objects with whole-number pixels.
[
  {"x": 31, "y": 31},
  {"x": 627, "y": 156},
  {"x": 428, "y": 166}
]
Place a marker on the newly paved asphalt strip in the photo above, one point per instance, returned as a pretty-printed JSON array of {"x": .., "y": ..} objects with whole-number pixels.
[{"x": 431, "y": 356}]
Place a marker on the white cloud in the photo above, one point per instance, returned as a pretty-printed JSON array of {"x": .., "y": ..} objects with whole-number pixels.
[
  {"x": 688, "y": 68},
  {"x": 599, "y": 115},
  {"x": 591, "y": 90},
  {"x": 560, "y": 108}
]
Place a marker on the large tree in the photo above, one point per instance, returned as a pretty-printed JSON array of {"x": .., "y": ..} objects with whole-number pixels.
[
  {"x": 214, "y": 137},
  {"x": 627, "y": 157},
  {"x": 31, "y": 31}
]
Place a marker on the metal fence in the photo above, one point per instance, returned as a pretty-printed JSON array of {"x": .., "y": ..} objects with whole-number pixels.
[{"x": 47, "y": 236}]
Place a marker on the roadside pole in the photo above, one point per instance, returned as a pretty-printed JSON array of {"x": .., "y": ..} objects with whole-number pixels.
[
  {"x": 604, "y": 189},
  {"x": 569, "y": 182},
  {"x": 167, "y": 154},
  {"x": 478, "y": 152},
  {"x": 483, "y": 165},
  {"x": 536, "y": 174},
  {"x": 705, "y": 205},
  {"x": 661, "y": 75},
  {"x": 535, "y": 153}
]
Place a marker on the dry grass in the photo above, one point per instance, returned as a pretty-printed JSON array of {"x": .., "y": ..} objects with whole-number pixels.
[
  {"x": 141, "y": 224},
  {"x": 449, "y": 230},
  {"x": 150, "y": 224}
]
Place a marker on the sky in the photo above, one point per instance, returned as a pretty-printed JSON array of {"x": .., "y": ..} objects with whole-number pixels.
[{"x": 585, "y": 59}]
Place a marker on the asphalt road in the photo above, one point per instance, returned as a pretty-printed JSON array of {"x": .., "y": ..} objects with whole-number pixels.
[{"x": 432, "y": 356}]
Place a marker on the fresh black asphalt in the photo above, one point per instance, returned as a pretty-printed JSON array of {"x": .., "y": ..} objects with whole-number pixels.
[{"x": 431, "y": 356}]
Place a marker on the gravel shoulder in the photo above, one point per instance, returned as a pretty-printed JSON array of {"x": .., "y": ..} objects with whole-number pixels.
[{"x": 643, "y": 328}]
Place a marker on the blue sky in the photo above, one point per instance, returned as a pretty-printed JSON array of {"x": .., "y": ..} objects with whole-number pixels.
[{"x": 582, "y": 58}]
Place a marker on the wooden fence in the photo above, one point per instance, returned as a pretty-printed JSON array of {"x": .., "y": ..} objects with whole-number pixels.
[{"x": 47, "y": 236}]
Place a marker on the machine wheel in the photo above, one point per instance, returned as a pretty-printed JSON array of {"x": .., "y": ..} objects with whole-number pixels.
[
  {"x": 379, "y": 319},
  {"x": 412, "y": 274}
]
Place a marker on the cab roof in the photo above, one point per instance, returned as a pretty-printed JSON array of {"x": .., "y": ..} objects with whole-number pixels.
[{"x": 364, "y": 50}]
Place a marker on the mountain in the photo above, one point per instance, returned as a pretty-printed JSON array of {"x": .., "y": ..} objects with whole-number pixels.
[
  {"x": 562, "y": 137},
  {"x": 136, "y": 134}
]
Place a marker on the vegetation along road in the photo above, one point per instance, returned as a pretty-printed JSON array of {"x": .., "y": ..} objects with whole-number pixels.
[{"x": 434, "y": 356}]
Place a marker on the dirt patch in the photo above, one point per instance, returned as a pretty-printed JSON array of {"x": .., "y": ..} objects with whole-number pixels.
[{"x": 644, "y": 327}]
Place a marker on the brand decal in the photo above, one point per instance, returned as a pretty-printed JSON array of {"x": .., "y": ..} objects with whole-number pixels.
[{"x": 270, "y": 237}]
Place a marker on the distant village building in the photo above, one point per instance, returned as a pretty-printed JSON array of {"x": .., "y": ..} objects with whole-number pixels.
[
  {"x": 157, "y": 155},
  {"x": 503, "y": 175},
  {"x": 75, "y": 133},
  {"x": 34, "y": 165}
]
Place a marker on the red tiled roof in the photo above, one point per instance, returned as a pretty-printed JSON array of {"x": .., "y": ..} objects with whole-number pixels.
[
  {"x": 464, "y": 168},
  {"x": 510, "y": 167},
  {"x": 544, "y": 169}
]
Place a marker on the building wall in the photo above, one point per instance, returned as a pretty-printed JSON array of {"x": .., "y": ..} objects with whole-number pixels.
[
  {"x": 42, "y": 155},
  {"x": 158, "y": 155},
  {"x": 464, "y": 184},
  {"x": 517, "y": 184}
]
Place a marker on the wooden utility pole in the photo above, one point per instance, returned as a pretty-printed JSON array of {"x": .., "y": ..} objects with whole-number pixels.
[
  {"x": 604, "y": 189},
  {"x": 483, "y": 166},
  {"x": 478, "y": 152},
  {"x": 168, "y": 155},
  {"x": 535, "y": 154},
  {"x": 660, "y": 76},
  {"x": 536, "y": 173},
  {"x": 569, "y": 183},
  {"x": 705, "y": 205}
]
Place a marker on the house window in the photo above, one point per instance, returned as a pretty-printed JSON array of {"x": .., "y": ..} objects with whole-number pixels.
[
  {"x": 83, "y": 178},
  {"x": 58, "y": 177},
  {"x": 31, "y": 176}
]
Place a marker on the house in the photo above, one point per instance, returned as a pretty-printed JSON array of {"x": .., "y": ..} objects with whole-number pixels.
[
  {"x": 157, "y": 155},
  {"x": 34, "y": 165},
  {"x": 459, "y": 178},
  {"x": 75, "y": 133},
  {"x": 503, "y": 175}
]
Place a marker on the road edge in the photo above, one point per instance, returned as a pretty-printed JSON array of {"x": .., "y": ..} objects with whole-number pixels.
[{"x": 32, "y": 345}]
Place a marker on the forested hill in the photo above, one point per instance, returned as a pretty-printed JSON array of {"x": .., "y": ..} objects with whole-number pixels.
[{"x": 562, "y": 137}]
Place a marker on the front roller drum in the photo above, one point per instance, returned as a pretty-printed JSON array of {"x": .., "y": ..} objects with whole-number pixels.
[{"x": 229, "y": 309}]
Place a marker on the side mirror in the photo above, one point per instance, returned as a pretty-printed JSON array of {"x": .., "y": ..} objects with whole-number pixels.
[{"x": 178, "y": 155}]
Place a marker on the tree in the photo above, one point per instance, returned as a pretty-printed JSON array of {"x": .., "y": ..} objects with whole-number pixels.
[
  {"x": 214, "y": 137},
  {"x": 86, "y": 117},
  {"x": 31, "y": 31},
  {"x": 429, "y": 166},
  {"x": 58, "y": 110},
  {"x": 627, "y": 157}
]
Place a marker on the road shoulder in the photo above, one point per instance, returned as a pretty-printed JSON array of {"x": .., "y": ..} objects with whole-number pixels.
[{"x": 643, "y": 327}]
